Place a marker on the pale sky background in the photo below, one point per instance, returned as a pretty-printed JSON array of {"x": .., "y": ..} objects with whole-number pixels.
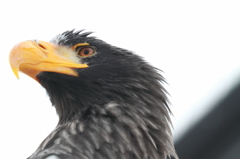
[{"x": 195, "y": 43}]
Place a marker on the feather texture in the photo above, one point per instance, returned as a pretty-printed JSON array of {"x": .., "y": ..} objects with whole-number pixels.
[{"x": 116, "y": 109}]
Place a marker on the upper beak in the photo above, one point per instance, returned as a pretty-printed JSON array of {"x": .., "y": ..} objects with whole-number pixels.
[{"x": 31, "y": 58}]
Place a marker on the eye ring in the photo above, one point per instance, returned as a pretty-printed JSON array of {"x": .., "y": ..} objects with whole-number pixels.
[{"x": 86, "y": 51}]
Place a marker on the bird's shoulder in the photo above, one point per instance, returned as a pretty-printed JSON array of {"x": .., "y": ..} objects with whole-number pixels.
[{"x": 113, "y": 132}]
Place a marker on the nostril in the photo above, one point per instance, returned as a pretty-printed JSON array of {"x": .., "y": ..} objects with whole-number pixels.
[{"x": 42, "y": 46}]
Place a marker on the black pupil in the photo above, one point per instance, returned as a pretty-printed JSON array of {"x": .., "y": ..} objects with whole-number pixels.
[{"x": 86, "y": 52}]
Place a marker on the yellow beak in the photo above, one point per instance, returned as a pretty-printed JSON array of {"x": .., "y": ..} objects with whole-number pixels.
[{"x": 31, "y": 58}]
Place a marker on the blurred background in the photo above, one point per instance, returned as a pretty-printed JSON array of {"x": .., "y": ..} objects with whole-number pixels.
[{"x": 195, "y": 43}]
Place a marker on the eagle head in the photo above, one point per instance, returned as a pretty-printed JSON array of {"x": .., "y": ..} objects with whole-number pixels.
[{"x": 110, "y": 102}]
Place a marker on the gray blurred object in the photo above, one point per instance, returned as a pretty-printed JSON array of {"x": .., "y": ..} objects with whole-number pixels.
[{"x": 217, "y": 135}]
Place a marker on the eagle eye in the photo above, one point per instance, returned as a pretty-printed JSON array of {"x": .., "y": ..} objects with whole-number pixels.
[{"x": 86, "y": 51}]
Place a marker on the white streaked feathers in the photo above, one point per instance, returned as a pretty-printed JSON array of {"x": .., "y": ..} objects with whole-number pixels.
[
  {"x": 81, "y": 127},
  {"x": 52, "y": 157},
  {"x": 73, "y": 127},
  {"x": 58, "y": 38},
  {"x": 68, "y": 53},
  {"x": 65, "y": 142},
  {"x": 111, "y": 105}
]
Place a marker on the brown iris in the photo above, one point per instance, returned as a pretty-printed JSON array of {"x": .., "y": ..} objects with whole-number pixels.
[{"x": 86, "y": 51}]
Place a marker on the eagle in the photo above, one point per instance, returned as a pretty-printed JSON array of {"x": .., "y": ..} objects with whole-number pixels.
[{"x": 111, "y": 103}]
